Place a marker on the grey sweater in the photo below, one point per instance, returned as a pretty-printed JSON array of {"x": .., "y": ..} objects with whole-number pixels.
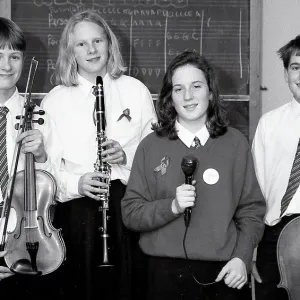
[{"x": 227, "y": 220}]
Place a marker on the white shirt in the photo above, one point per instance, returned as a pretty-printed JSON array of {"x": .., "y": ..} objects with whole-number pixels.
[
  {"x": 188, "y": 138},
  {"x": 72, "y": 111},
  {"x": 15, "y": 105},
  {"x": 274, "y": 148}
]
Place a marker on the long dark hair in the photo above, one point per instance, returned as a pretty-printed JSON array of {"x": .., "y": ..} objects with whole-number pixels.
[{"x": 166, "y": 113}]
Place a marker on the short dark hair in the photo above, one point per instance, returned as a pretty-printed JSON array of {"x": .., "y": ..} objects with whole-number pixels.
[
  {"x": 11, "y": 35},
  {"x": 166, "y": 113},
  {"x": 289, "y": 49}
]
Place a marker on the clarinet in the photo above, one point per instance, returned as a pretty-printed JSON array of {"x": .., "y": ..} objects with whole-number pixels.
[{"x": 102, "y": 167}]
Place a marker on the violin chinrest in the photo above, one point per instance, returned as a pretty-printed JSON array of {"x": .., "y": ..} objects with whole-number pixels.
[{"x": 24, "y": 267}]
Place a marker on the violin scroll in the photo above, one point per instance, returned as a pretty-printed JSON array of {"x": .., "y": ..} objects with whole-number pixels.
[{"x": 39, "y": 121}]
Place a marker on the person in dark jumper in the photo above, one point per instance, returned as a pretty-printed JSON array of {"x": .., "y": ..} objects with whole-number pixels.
[{"x": 210, "y": 256}]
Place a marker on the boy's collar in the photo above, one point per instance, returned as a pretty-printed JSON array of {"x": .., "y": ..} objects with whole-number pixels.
[
  {"x": 86, "y": 86},
  {"x": 11, "y": 97},
  {"x": 295, "y": 105}
]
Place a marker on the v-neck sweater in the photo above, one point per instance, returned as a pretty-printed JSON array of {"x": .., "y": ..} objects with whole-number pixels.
[{"x": 227, "y": 219}]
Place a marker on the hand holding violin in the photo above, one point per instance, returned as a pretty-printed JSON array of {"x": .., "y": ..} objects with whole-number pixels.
[
  {"x": 32, "y": 141},
  {"x": 4, "y": 271}
]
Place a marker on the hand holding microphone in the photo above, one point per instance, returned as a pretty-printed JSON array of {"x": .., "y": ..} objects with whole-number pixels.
[
  {"x": 185, "y": 194},
  {"x": 188, "y": 166}
]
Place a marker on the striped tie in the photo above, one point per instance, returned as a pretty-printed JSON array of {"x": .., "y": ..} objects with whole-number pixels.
[
  {"x": 196, "y": 142},
  {"x": 3, "y": 154},
  {"x": 293, "y": 182},
  {"x": 94, "y": 90}
]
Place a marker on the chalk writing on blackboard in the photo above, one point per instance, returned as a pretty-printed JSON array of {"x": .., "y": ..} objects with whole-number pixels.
[{"x": 151, "y": 33}]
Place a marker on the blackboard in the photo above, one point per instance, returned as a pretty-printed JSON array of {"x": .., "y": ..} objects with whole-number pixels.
[{"x": 151, "y": 34}]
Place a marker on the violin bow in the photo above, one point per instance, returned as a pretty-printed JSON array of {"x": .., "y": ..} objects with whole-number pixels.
[{"x": 9, "y": 192}]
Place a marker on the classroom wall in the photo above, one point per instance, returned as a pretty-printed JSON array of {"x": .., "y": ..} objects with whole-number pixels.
[
  {"x": 5, "y": 8},
  {"x": 280, "y": 23}
]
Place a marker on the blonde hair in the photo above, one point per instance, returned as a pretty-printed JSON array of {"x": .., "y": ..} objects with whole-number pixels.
[{"x": 66, "y": 65}]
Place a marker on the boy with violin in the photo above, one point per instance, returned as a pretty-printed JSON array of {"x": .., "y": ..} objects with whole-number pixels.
[
  {"x": 275, "y": 150},
  {"x": 37, "y": 141}
]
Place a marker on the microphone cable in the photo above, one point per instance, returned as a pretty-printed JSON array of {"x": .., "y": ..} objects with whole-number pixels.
[{"x": 187, "y": 258}]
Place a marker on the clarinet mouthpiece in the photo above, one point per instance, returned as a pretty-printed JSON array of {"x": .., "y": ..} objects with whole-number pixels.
[{"x": 99, "y": 81}]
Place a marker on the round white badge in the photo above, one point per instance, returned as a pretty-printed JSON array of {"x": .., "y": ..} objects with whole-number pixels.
[{"x": 211, "y": 176}]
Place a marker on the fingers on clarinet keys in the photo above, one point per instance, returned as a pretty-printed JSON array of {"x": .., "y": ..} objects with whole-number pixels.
[
  {"x": 95, "y": 192},
  {"x": 91, "y": 185},
  {"x": 100, "y": 186}
]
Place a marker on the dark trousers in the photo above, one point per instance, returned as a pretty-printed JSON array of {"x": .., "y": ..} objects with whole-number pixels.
[
  {"x": 81, "y": 276},
  {"x": 266, "y": 263},
  {"x": 172, "y": 279},
  {"x": 29, "y": 288}
]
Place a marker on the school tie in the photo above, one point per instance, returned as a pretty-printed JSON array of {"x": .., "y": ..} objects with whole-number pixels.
[
  {"x": 196, "y": 142},
  {"x": 94, "y": 90},
  {"x": 3, "y": 154},
  {"x": 293, "y": 184}
]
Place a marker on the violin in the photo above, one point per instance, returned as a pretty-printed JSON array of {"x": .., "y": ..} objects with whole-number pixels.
[
  {"x": 288, "y": 258},
  {"x": 34, "y": 247}
]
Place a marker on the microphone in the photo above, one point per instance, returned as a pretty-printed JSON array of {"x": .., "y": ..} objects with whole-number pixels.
[{"x": 188, "y": 166}]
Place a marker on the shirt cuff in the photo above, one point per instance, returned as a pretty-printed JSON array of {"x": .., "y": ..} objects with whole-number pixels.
[
  {"x": 43, "y": 166},
  {"x": 70, "y": 190},
  {"x": 129, "y": 159},
  {"x": 244, "y": 254}
]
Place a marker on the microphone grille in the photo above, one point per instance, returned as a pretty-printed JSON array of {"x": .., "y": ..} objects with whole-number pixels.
[{"x": 188, "y": 165}]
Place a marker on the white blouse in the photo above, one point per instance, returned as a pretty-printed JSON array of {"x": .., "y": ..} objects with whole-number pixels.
[{"x": 72, "y": 111}]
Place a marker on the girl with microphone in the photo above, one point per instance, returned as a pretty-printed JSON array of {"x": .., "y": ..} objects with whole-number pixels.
[{"x": 209, "y": 255}]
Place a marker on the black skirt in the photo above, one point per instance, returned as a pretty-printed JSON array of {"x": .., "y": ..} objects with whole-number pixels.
[{"x": 81, "y": 275}]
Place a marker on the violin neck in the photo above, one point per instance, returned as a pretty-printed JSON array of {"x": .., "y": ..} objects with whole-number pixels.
[{"x": 30, "y": 185}]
